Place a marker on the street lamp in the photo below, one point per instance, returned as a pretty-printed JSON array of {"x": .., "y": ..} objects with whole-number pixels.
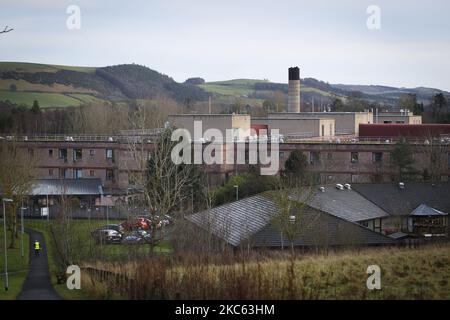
[
  {"x": 107, "y": 208},
  {"x": 237, "y": 192},
  {"x": 4, "y": 200},
  {"x": 22, "y": 229}
]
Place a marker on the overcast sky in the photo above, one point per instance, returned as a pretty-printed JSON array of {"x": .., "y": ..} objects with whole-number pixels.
[{"x": 219, "y": 40}]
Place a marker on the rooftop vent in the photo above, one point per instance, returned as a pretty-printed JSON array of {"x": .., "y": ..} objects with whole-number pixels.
[
  {"x": 348, "y": 186},
  {"x": 339, "y": 186},
  {"x": 401, "y": 185},
  {"x": 322, "y": 189}
]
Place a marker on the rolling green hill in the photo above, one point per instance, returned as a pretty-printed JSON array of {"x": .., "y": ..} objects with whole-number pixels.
[{"x": 62, "y": 86}]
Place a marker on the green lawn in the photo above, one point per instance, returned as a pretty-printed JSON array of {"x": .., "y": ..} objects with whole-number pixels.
[
  {"x": 46, "y": 100},
  {"x": 37, "y": 67},
  {"x": 17, "y": 266},
  {"x": 86, "y": 250}
]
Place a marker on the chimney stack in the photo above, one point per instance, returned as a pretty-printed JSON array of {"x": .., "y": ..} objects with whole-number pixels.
[{"x": 294, "y": 90}]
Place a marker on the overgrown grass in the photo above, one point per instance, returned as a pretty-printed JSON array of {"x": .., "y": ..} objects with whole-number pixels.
[
  {"x": 405, "y": 274},
  {"x": 17, "y": 266}
]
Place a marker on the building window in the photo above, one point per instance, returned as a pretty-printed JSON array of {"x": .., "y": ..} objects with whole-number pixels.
[
  {"x": 387, "y": 122},
  {"x": 62, "y": 154},
  {"x": 77, "y": 154},
  {"x": 31, "y": 152},
  {"x": 377, "y": 225},
  {"x": 50, "y": 172},
  {"x": 377, "y": 157},
  {"x": 330, "y": 156},
  {"x": 281, "y": 155},
  {"x": 314, "y": 157},
  {"x": 77, "y": 173},
  {"x": 50, "y": 152},
  {"x": 109, "y": 175},
  {"x": 323, "y": 130},
  {"x": 62, "y": 173},
  {"x": 109, "y": 154},
  {"x": 354, "y": 157},
  {"x": 91, "y": 173},
  {"x": 92, "y": 152}
]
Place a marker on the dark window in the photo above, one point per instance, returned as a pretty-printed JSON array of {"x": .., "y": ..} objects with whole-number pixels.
[
  {"x": 62, "y": 154},
  {"x": 77, "y": 173},
  {"x": 109, "y": 154},
  {"x": 377, "y": 225},
  {"x": 92, "y": 152},
  {"x": 50, "y": 152},
  {"x": 323, "y": 130},
  {"x": 330, "y": 156},
  {"x": 91, "y": 173},
  {"x": 354, "y": 157},
  {"x": 62, "y": 173},
  {"x": 109, "y": 174},
  {"x": 386, "y": 121},
  {"x": 31, "y": 152},
  {"x": 50, "y": 172},
  {"x": 314, "y": 157},
  {"x": 377, "y": 157},
  {"x": 77, "y": 154}
]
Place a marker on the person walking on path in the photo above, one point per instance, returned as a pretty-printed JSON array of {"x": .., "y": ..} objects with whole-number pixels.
[{"x": 37, "y": 248}]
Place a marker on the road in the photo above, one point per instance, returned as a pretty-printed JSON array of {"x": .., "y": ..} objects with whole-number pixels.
[{"x": 37, "y": 285}]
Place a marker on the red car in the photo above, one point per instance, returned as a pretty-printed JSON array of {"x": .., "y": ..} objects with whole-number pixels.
[{"x": 137, "y": 223}]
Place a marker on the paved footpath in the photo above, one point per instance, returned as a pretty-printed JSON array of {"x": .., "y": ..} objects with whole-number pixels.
[{"x": 38, "y": 286}]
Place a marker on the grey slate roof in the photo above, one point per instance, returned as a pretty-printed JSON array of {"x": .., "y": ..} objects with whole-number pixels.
[
  {"x": 345, "y": 204},
  {"x": 424, "y": 210},
  {"x": 236, "y": 221},
  {"x": 396, "y": 201},
  {"x": 57, "y": 187},
  {"x": 249, "y": 220}
]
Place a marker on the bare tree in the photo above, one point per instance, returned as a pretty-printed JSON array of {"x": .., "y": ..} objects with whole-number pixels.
[
  {"x": 6, "y": 30},
  {"x": 16, "y": 176}
]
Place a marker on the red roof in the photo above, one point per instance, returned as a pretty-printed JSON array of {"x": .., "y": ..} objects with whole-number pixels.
[{"x": 403, "y": 130}]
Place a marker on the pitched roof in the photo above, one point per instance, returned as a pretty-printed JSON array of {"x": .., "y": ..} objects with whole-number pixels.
[
  {"x": 236, "y": 221},
  {"x": 52, "y": 187},
  {"x": 345, "y": 204},
  {"x": 424, "y": 210},
  {"x": 396, "y": 201},
  {"x": 249, "y": 220}
]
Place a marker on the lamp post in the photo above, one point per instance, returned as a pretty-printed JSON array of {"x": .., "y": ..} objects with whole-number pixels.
[
  {"x": 237, "y": 192},
  {"x": 4, "y": 234},
  {"x": 107, "y": 208},
  {"x": 22, "y": 229}
]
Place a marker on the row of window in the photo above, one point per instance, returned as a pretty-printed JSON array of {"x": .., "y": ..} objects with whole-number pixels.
[
  {"x": 63, "y": 173},
  {"x": 78, "y": 153},
  {"x": 314, "y": 157}
]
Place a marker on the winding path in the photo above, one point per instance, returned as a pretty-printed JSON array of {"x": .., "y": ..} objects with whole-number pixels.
[{"x": 38, "y": 285}]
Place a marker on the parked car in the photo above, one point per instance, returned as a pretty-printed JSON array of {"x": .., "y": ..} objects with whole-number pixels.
[
  {"x": 106, "y": 235},
  {"x": 137, "y": 237},
  {"x": 117, "y": 227}
]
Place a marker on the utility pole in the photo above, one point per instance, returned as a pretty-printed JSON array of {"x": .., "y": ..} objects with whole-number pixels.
[{"x": 209, "y": 104}]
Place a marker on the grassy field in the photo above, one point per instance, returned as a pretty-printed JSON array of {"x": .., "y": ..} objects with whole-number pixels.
[
  {"x": 238, "y": 87},
  {"x": 87, "y": 250},
  {"x": 17, "y": 267},
  {"x": 37, "y": 67},
  {"x": 405, "y": 274},
  {"x": 46, "y": 100}
]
